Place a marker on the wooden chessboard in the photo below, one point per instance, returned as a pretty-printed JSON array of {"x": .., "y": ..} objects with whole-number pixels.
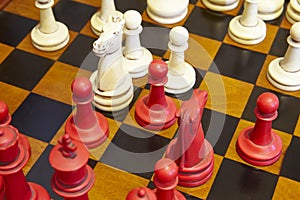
[{"x": 36, "y": 86}]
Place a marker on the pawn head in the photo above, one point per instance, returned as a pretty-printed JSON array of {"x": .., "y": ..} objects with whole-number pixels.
[
  {"x": 158, "y": 71},
  {"x": 166, "y": 172},
  {"x": 3, "y": 110},
  {"x": 267, "y": 103},
  {"x": 179, "y": 35},
  {"x": 133, "y": 19},
  {"x": 81, "y": 87},
  {"x": 295, "y": 32}
]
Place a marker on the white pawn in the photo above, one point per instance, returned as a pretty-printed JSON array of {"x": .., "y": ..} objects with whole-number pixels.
[
  {"x": 248, "y": 28},
  {"x": 293, "y": 11},
  {"x": 100, "y": 18},
  {"x": 284, "y": 72},
  {"x": 136, "y": 58},
  {"x": 220, "y": 5},
  {"x": 49, "y": 35},
  {"x": 181, "y": 75},
  {"x": 270, "y": 9},
  {"x": 167, "y": 11}
]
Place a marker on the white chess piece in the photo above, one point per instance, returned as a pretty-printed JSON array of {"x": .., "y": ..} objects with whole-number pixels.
[
  {"x": 136, "y": 59},
  {"x": 220, "y": 5},
  {"x": 181, "y": 75},
  {"x": 100, "y": 18},
  {"x": 167, "y": 11},
  {"x": 49, "y": 35},
  {"x": 284, "y": 72},
  {"x": 270, "y": 9},
  {"x": 248, "y": 28},
  {"x": 293, "y": 11},
  {"x": 112, "y": 85}
]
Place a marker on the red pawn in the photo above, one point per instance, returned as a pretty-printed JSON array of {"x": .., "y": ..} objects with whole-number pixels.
[
  {"x": 72, "y": 178},
  {"x": 13, "y": 157},
  {"x": 191, "y": 151},
  {"x": 5, "y": 117},
  {"x": 86, "y": 125},
  {"x": 156, "y": 111},
  {"x": 260, "y": 145},
  {"x": 166, "y": 179},
  {"x": 142, "y": 193}
]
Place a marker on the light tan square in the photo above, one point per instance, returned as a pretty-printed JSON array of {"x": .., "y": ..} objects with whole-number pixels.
[
  {"x": 226, "y": 95},
  {"x": 56, "y": 84}
]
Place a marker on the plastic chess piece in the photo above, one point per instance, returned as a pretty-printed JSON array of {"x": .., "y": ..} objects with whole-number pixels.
[
  {"x": 181, "y": 75},
  {"x": 270, "y": 9},
  {"x": 14, "y": 156},
  {"x": 190, "y": 150},
  {"x": 260, "y": 145},
  {"x": 86, "y": 125},
  {"x": 112, "y": 85},
  {"x": 284, "y": 72},
  {"x": 73, "y": 178},
  {"x": 156, "y": 111},
  {"x": 167, "y": 11},
  {"x": 293, "y": 11},
  {"x": 136, "y": 58},
  {"x": 100, "y": 18},
  {"x": 5, "y": 117},
  {"x": 49, "y": 35},
  {"x": 248, "y": 28},
  {"x": 142, "y": 193},
  {"x": 166, "y": 179},
  {"x": 220, "y": 6}
]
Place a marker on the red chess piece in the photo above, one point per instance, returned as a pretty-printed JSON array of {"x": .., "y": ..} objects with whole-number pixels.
[
  {"x": 142, "y": 193},
  {"x": 260, "y": 145},
  {"x": 5, "y": 117},
  {"x": 86, "y": 125},
  {"x": 2, "y": 188},
  {"x": 191, "y": 151},
  {"x": 166, "y": 179},
  {"x": 72, "y": 178},
  {"x": 156, "y": 111},
  {"x": 13, "y": 157}
]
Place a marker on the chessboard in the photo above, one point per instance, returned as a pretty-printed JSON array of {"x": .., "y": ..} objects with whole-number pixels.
[{"x": 36, "y": 87}]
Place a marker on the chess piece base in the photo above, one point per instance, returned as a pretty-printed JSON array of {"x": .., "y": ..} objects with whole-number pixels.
[
  {"x": 167, "y": 12},
  {"x": 270, "y": 10},
  {"x": 178, "y": 84},
  {"x": 113, "y": 100},
  {"x": 292, "y": 12},
  {"x": 220, "y": 6},
  {"x": 198, "y": 174},
  {"x": 256, "y": 154},
  {"x": 139, "y": 67},
  {"x": 92, "y": 137},
  {"x": 247, "y": 35},
  {"x": 288, "y": 81},
  {"x": 79, "y": 190},
  {"x": 38, "y": 192},
  {"x": 50, "y": 41},
  {"x": 97, "y": 23},
  {"x": 155, "y": 119}
]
